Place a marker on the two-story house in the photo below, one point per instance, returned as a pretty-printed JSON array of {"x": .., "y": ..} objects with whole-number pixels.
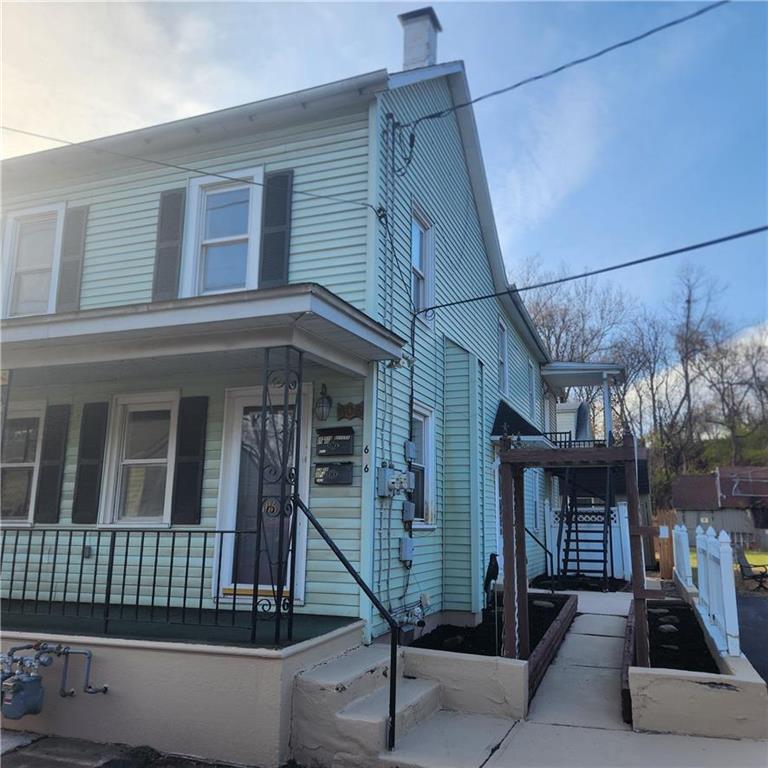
[{"x": 206, "y": 329}]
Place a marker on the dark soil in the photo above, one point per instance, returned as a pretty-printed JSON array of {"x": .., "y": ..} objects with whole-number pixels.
[
  {"x": 585, "y": 583},
  {"x": 676, "y": 638},
  {"x": 485, "y": 638}
]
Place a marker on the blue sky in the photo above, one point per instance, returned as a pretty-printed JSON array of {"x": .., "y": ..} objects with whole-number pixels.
[{"x": 656, "y": 146}]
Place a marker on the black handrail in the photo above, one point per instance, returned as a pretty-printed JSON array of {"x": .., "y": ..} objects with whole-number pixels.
[
  {"x": 549, "y": 555},
  {"x": 386, "y": 615}
]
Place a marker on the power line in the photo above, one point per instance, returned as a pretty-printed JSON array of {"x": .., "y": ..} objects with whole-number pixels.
[
  {"x": 413, "y": 124},
  {"x": 581, "y": 275},
  {"x": 174, "y": 166}
]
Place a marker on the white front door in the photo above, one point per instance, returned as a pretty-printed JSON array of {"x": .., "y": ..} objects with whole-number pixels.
[{"x": 238, "y": 495}]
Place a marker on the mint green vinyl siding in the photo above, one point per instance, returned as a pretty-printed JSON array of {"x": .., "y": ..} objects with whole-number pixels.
[
  {"x": 457, "y": 502},
  {"x": 437, "y": 181},
  {"x": 328, "y": 238}
]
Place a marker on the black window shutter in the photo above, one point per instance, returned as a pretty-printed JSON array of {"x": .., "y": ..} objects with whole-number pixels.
[
  {"x": 190, "y": 458},
  {"x": 72, "y": 253},
  {"x": 170, "y": 228},
  {"x": 90, "y": 462},
  {"x": 51, "y": 473},
  {"x": 276, "y": 229}
]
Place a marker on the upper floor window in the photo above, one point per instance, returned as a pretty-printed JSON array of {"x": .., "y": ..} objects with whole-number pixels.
[
  {"x": 503, "y": 358},
  {"x": 21, "y": 448},
  {"x": 221, "y": 241},
  {"x": 32, "y": 252},
  {"x": 422, "y": 261}
]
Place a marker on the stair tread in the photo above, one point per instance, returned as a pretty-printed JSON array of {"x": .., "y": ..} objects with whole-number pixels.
[
  {"x": 449, "y": 740},
  {"x": 374, "y": 707},
  {"x": 349, "y": 666}
]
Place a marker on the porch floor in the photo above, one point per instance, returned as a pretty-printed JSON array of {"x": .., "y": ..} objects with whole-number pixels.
[{"x": 222, "y": 627}]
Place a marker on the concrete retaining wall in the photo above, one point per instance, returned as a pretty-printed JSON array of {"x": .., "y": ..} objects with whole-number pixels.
[
  {"x": 215, "y": 702},
  {"x": 483, "y": 684},
  {"x": 732, "y": 705}
]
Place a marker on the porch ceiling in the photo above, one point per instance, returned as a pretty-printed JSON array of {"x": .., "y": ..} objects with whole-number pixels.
[
  {"x": 222, "y": 330},
  {"x": 561, "y": 375}
]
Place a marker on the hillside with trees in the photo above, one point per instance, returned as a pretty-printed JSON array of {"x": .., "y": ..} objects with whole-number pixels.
[{"x": 695, "y": 391}]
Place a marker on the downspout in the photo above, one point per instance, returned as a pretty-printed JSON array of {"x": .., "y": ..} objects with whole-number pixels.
[{"x": 607, "y": 415}]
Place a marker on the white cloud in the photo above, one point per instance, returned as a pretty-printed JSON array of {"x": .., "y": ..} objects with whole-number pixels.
[{"x": 553, "y": 152}]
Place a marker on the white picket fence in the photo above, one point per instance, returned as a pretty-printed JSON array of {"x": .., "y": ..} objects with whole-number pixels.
[{"x": 716, "y": 584}]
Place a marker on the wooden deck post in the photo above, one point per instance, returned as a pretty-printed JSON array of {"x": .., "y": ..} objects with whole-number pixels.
[
  {"x": 642, "y": 650},
  {"x": 521, "y": 565},
  {"x": 506, "y": 488}
]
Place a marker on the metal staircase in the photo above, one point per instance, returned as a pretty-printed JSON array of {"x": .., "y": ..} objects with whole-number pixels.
[{"x": 584, "y": 534}]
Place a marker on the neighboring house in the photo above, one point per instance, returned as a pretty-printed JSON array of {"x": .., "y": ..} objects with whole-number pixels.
[
  {"x": 142, "y": 301},
  {"x": 733, "y": 499}
]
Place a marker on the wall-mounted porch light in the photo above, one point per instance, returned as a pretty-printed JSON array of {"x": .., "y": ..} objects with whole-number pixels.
[{"x": 323, "y": 404}]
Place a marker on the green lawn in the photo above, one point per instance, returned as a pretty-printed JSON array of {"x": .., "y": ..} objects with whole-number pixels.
[{"x": 755, "y": 557}]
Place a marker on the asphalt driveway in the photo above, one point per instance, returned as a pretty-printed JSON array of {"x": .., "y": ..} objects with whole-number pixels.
[{"x": 753, "y": 630}]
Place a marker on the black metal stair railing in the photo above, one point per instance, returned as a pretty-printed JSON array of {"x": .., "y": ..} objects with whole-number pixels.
[{"x": 385, "y": 614}]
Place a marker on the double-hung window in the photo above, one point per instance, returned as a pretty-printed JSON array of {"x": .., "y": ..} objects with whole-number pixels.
[
  {"x": 31, "y": 252},
  {"x": 503, "y": 358},
  {"x": 422, "y": 466},
  {"x": 21, "y": 447},
  {"x": 221, "y": 240},
  {"x": 422, "y": 261},
  {"x": 141, "y": 458}
]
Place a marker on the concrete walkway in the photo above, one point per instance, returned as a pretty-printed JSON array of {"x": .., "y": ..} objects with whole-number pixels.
[{"x": 575, "y": 716}]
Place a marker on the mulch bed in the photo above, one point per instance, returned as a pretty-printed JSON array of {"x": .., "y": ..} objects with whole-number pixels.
[
  {"x": 485, "y": 638},
  {"x": 676, "y": 638},
  {"x": 581, "y": 583}
]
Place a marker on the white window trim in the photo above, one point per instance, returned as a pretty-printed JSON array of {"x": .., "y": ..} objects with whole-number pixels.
[
  {"x": 193, "y": 220},
  {"x": 108, "y": 504},
  {"x": 504, "y": 383},
  {"x": 29, "y": 408},
  {"x": 9, "y": 253},
  {"x": 418, "y": 213},
  {"x": 532, "y": 399},
  {"x": 430, "y": 465}
]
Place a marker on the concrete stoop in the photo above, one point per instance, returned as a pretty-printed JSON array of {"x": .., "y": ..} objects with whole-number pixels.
[{"x": 340, "y": 711}]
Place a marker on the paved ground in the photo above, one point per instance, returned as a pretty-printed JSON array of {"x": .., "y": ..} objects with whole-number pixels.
[
  {"x": 753, "y": 631},
  {"x": 27, "y": 750},
  {"x": 575, "y": 717}
]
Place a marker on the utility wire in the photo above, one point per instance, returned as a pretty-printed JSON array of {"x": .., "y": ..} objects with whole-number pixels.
[
  {"x": 581, "y": 275},
  {"x": 198, "y": 171},
  {"x": 568, "y": 65}
]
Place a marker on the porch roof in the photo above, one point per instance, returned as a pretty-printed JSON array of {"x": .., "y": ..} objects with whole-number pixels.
[
  {"x": 566, "y": 374},
  {"x": 304, "y": 315}
]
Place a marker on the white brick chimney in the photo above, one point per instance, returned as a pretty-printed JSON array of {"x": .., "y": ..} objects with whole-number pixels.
[{"x": 420, "y": 30}]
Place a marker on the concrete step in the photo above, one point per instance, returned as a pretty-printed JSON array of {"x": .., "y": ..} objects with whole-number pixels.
[
  {"x": 322, "y": 691},
  {"x": 364, "y": 721},
  {"x": 448, "y": 740}
]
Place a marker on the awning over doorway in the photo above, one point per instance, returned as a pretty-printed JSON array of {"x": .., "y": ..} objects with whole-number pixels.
[{"x": 508, "y": 421}]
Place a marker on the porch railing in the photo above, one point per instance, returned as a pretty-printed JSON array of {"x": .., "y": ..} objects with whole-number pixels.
[
  {"x": 107, "y": 578},
  {"x": 564, "y": 440}
]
